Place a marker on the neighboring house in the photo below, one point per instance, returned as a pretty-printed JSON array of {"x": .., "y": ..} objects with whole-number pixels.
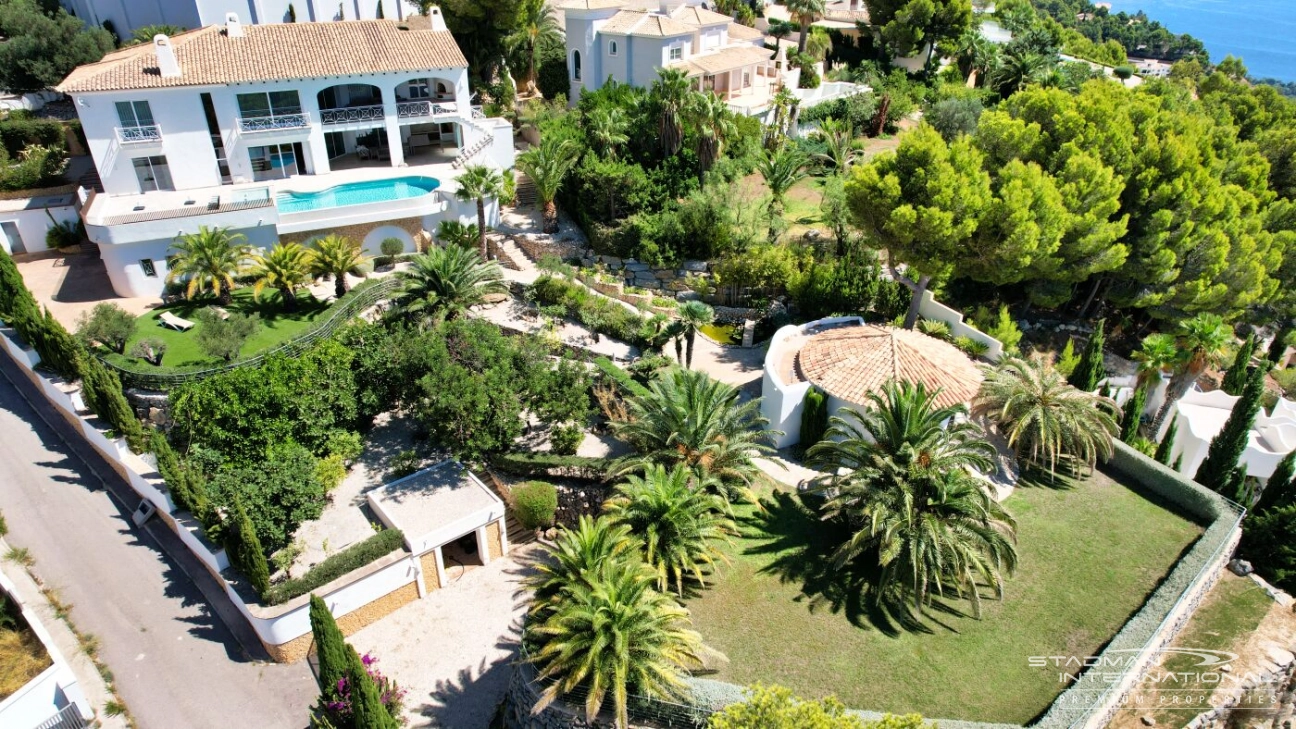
[
  {"x": 51, "y": 700},
  {"x": 24, "y": 221},
  {"x": 128, "y": 15},
  {"x": 278, "y": 132},
  {"x": 606, "y": 39},
  {"x": 1150, "y": 67}
]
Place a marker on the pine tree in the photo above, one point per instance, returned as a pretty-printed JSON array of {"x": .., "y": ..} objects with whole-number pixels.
[
  {"x": 1278, "y": 489},
  {"x": 1167, "y": 444},
  {"x": 1227, "y": 446},
  {"x": 366, "y": 701},
  {"x": 1133, "y": 414},
  {"x": 1235, "y": 378},
  {"x": 1090, "y": 371},
  {"x": 247, "y": 555},
  {"x": 330, "y": 647}
]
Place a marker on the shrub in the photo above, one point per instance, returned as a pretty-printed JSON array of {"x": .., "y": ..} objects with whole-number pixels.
[
  {"x": 357, "y": 555},
  {"x": 1000, "y": 326},
  {"x": 938, "y": 329},
  {"x": 4, "y": 526},
  {"x": 38, "y": 166},
  {"x": 346, "y": 444},
  {"x": 955, "y": 116},
  {"x": 624, "y": 382},
  {"x": 65, "y": 234},
  {"x": 1067, "y": 359},
  {"x": 814, "y": 417},
  {"x": 224, "y": 338},
  {"x": 391, "y": 247},
  {"x": 1123, "y": 72},
  {"x": 552, "y": 465},
  {"x": 1286, "y": 379},
  {"x": 330, "y": 471},
  {"x": 971, "y": 347},
  {"x": 612, "y": 319},
  {"x": 107, "y": 324},
  {"x": 535, "y": 504},
  {"x": 892, "y": 300},
  {"x": 278, "y": 492},
  {"x": 405, "y": 463},
  {"x": 150, "y": 350},
  {"x": 566, "y": 439}
]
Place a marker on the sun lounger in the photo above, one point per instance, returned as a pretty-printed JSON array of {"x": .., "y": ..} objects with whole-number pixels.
[{"x": 174, "y": 322}]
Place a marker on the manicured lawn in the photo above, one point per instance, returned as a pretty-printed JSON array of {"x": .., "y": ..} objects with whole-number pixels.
[
  {"x": 1089, "y": 556},
  {"x": 182, "y": 351}
]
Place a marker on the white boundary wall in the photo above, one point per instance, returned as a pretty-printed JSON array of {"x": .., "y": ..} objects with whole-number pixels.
[{"x": 55, "y": 688}]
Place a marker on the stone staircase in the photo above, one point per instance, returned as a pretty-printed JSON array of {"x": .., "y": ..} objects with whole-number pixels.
[{"x": 526, "y": 191}]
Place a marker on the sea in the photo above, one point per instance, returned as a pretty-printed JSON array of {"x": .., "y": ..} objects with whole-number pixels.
[{"x": 1261, "y": 32}]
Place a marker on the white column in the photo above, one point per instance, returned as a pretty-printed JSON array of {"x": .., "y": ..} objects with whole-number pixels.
[
  {"x": 440, "y": 568},
  {"x": 316, "y": 148},
  {"x": 418, "y": 575},
  {"x": 393, "y": 128},
  {"x": 483, "y": 545},
  {"x": 503, "y": 530}
]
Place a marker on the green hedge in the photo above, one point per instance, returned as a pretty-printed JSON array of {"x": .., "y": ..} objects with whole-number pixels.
[
  {"x": 614, "y": 319},
  {"x": 553, "y": 466},
  {"x": 623, "y": 380},
  {"x": 357, "y": 555}
]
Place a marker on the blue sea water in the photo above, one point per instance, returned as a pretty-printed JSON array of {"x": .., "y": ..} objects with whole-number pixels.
[{"x": 1262, "y": 32}]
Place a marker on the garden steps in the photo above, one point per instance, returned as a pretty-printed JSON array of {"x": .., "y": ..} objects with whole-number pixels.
[{"x": 525, "y": 191}]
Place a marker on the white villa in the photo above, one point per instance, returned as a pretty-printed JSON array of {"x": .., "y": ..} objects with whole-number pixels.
[
  {"x": 128, "y": 15},
  {"x": 1202, "y": 415},
  {"x": 279, "y": 132}
]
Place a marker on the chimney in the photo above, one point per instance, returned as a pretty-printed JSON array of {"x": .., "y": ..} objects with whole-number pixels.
[
  {"x": 436, "y": 19},
  {"x": 233, "y": 28},
  {"x": 166, "y": 57}
]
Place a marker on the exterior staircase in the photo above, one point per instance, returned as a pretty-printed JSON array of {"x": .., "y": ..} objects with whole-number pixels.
[
  {"x": 90, "y": 180},
  {"x": 525, "y": 191},
  {"x": 467, "y": 155}
]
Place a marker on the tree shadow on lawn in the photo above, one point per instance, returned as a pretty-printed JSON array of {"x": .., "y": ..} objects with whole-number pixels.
[{"x": 801, "y": 546}]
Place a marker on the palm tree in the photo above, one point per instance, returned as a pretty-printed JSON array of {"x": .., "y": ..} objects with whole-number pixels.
[
  {"x": 1156, "y": 355},
  {"x": 842, "y": 148},
  {"x": 781, "y": 169},
  {"x": 445, "y": 282},
  {"x": 455, "y": 233},
  {"x": 547, "y": 165},
  {"x": 711, "y": 119},
  {"x": 538, "y": 29},
  {"x": 693, "y": 315},
  {"x": 818, "y": 44},
  {"x": 1018, "y": 67},
  {"x": 339, "y": 257},
  {"x": 607, "y": 130},
  {"x": 677, "y": 521},
  {"x": 691, "y": 419},
  {"x": 476, "y": 183},
  {"x": 670, "y": 92},
  {"x": 805, "y": 12},
  {"x": 614, "y": 633},
  {"x": 285, "y": 268},
  {"x": 902, "y": 482},
  {"x": 575, "y": 557},
  {"x": 1203, "y": 341},
  {"x": 1045, "y": 419},
  {"x": 209, "y": 260}
]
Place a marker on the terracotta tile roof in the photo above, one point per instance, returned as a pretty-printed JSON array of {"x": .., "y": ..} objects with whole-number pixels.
[
  {"x": 640, "y": 23},
  {"x": 592, "y": 4},
  {"x": 724, "y": 60},
  {"x": 693, "y": 15},
  {"x": 848, "y": 16},
  {"x": 738, "y": 31},
  {"x": 208, "y": 56},
  {"x": 851, "y": 362}
]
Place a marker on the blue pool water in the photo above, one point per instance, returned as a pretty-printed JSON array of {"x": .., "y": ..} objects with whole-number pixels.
[{"x": 356, "y": 193}]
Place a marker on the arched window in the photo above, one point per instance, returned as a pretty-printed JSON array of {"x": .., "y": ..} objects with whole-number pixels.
[
  {"x": 576, "y": 68},
  {"x": 612, "y": 48}
]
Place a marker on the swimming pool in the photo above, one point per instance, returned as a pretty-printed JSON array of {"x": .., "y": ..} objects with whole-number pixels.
[{"x": 356, "y": 193}]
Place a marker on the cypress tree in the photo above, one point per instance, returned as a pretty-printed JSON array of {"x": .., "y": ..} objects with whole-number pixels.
[
  {"x": 59, "y": 350},
  {"x": 1227, "y": 446},
  {"x": 247, "y": 555},
  {"x": 1166, "y": 446},
  {"x": 1235, "y": 378},
  {"x": 1279, "y": 344},
  {"x": 1178, "y": 464},
  {"x": 1090, "y": 371},
  {"x": 103, "y": 395},
  {"x": 366, "y": 702},
  {"x": 1278, "y": 489},
  {"x": 330, "y": 647},
  {"x": 1235, "y": 487},
  {"x": 814, "y": 417},
  {"x": 1133, "y": 415}
]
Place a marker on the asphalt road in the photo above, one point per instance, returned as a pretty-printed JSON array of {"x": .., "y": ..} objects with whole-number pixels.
[{"x": 176, "y": 663}]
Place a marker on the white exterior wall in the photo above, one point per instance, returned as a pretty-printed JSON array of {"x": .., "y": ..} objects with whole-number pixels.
[
  {"x": 122, "y": 260},
  {"x": 781, "y": 402},
  {"x": 33, "y": 224}
]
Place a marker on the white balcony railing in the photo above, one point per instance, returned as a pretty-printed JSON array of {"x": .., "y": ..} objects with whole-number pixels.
[
  {"x": 273, "y": 122},
  {"x": 352, "y": 114},
  {"x": 425, "y": 108},
  {"x": 139, "y": 135}
]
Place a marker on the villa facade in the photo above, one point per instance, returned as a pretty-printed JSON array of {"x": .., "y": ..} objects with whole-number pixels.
[{"x": 282, "y": 131}]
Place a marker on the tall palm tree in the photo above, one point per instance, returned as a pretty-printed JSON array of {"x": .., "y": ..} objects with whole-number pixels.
[
  {"x": 679, "y": 523},
  {"x": 575, "y": 557},
  {"x": 612, "y": 635},
  {"x": 285, "y": 268},
  {"x": 476, "y": 183},
  {"x": 781, "y": 169},
  {"x": 539, "y": 28},
  {"x": 818, "y": 44},
  {"x": 446, "y": 282},
  {"x": 805, "y": 12},
  {"x": 607, "y": 130},
  {"x": 1156, "y": 355},
  {"x": 547, "y": 165},
  {"x": 1045, "y": 419},
  {"x": 693, "y": 315},
  {"x": 670, "y": 92},
  {"x": 901, "y": 481},
  {"x": 1017, "y": 68},
  {"x": 711, "y": 119},
  {"x": 690, "y": 419},
  {"x": 842, "y": 148},
  {"x": 339, "y": 257},
  {"x": 209, "y": 260},
  {"x": 1203, "y": 342}
]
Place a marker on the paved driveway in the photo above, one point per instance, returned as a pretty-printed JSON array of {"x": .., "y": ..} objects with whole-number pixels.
[{"x": 452, "y": 650}]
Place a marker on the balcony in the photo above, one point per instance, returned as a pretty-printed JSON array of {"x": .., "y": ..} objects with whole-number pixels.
[
  {"x": 273, "y": 123},
  {"x": 352, "y": 115},
  {"x": 145, "y": 135}
]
